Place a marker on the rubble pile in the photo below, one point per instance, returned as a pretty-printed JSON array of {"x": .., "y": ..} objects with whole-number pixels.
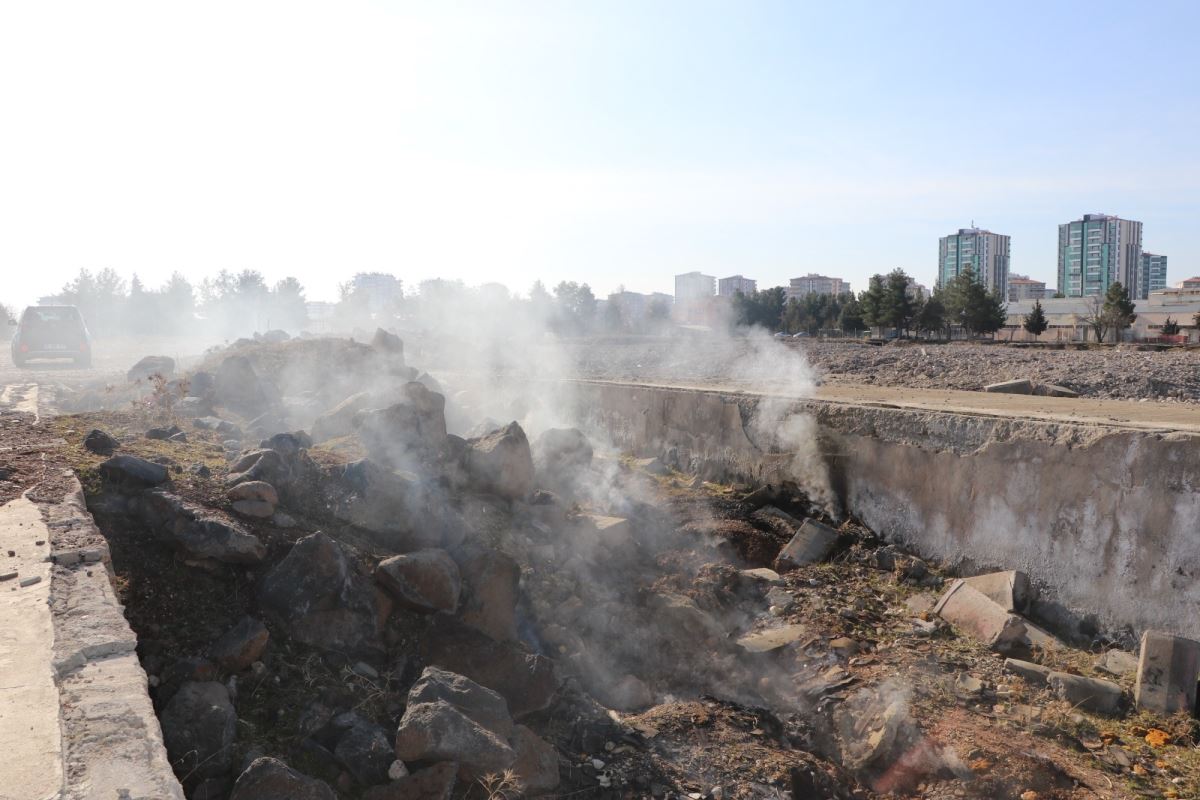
[{"x": 377, "y": 608}]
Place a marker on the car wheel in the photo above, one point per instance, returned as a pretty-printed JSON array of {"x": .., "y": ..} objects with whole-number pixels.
[{"x": 18, "y": 362}]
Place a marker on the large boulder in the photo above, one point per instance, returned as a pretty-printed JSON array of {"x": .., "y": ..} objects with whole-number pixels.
[
  {"x": 149, "y": 366},
  {"x": 388, "y": 344},
  {"x": 130, "y": 473},
  {"x": 237, "y": 386},
  {"x": 408, "y": 434},
  {"x": 199, "y": 532},
  {"x": 322, "y": 600},
  {"x": 425, "y": 580},
  {"x": 490, "y": 590},
  {"x": 501, "y": 462},
  {"x": 479, "y": 703},
  {"x": 434, "y": 728},
  {"x": 536, "y": 763},
  {"x": 199, "y": 726},
  {"x": 262, "y": 464},
  {"x": 271, "y": 779},
  {"x": 528, "y": 682},
  {"x": 398, "y": 511}
]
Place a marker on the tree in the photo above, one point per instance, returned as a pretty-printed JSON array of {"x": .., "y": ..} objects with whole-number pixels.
[
  {"x": 1096, "y": 318},
  {"x": 576, "y": 307},
  {"x": 1058, "y": 296},
  {"x": 1119, "y": 308},
  {"x": 850, "y": 318},
  {"x": 970, "y": 305},
  {"x": 1170, "y": 327},
  {"x": 1035, "y": 320},
  {"x": 872, "y": 303},
  {"x": 764, "y": 308},
  {"x": 288, "y": 308},
  {"x": 932, "y": 315},
  {"x": 897, "y": 307}
]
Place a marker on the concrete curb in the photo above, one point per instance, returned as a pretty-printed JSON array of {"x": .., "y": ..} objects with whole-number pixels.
[{"x": 112, "y": 742}]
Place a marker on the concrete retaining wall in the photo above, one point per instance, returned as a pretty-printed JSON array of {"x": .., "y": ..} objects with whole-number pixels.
[{"x": 1105, "y": 520}]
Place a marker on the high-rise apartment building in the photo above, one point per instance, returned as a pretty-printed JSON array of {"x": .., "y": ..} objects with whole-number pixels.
[
  {"x": 815, "y": 284},
  {"x": 1153, "y": 274},
  {"x": 693, "y": 286},
  {"x": 1098, "y": 251},
  {"x": 1022, "y": 287},
  {"x": 983, "y": 252},
  {"x": 728, "y": 287}
]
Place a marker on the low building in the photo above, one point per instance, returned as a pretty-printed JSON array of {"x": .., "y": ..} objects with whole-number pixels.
[
  {"x": 728, "y": 287},
  {"x": 1188, "y": 283},
  {"x": 1068, "y": 317},
  {"x": 813, "y": 283},
  {"x": 1022, "y": 287},
  {"x": 693, "y": 295}
]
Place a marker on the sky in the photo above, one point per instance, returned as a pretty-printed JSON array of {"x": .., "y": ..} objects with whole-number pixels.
[{"x": 614, "y": 143}]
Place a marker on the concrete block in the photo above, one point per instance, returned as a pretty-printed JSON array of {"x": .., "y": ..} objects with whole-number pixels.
[
  {"x": 1011, "y": 387},
  {"x": 1033, "y": 674},
  {"x": 1009, "y": 589},
  {"x": 811, "y": 544},
  {"x": 981, "y": 618},
  {"x": 1090, "y": 694},
  {"x": 1052, "y": 390},
  {"x": 1167, "y": 671}
]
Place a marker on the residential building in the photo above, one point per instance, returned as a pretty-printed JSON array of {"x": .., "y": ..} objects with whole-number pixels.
[
  {"x": 983, "y": 252},
  {"x": 381, "y": 290},
  {"x": 916, "y": 291},
  {"x": 728, "y": 287},
  {"x": 1153, "y": 274},
  {"x": 1188, "y": 283},
  {"x": 1022, "y": 287},
  {"x": 693, "y": 296},
  {"x": 1097, "y": 251},
  {"x": 813, "y": 283}
]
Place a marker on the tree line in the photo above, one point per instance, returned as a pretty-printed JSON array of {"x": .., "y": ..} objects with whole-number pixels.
[{"x": 887, "y": 303}]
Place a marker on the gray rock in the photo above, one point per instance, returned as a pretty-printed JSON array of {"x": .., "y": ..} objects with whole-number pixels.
[
  {"x": 199, "y": 532},
  {"x": 199, "y": 726},
  {"x": 1052, "y": 390},
  {"x": 1117, "y": 662},
  {"x": 536, "y": 764},
  {"x": 366, "y": 751},
  {"x": 425, "y": 580},
  {"x": 339, "y": 420},
  {"x": 163, "y": 433},
  {"x": 271, "y": 779},
  {"x": 131, "y": 472},
  {"x": 439, "y": 731},
  {"x": 218, "y": 425},
  {"x": 528, "y": 682},
  {"x": 237, "y": 385},
  {"x": 490, "y": 589},
  {"x": 408, "y": 434},
  {"x": 1033, "y": 674},
  {"x": 481, "y": 704},
  {"x": 100, "y": 443},
  {"x": 241, "y": 646},
  {"x": 254, "y": 490},
  {"x": 562, "y": 452},
  {"x": 149, "y": 366},
  {"x": 254, "y": 508},
  {"x": 501, "y": 462},
  {"x": 321, "y": 599},
  {"x": 811, "y": 544}
]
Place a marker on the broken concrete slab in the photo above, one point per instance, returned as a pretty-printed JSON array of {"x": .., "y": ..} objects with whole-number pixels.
[
  {"x": 1023, "y": 386},
  {"x": 1053, "y": 390},
  {"x": 811, "y": 544},
  {"x": 1034, "y": 674},
  {"x": 1010, "y": 589},
  {"x": 1117, "y": 662},
  {"x": 981, "y": 617},
  {"x": 1167, "y": 671},
  {"x": 1091, "y": 694}
]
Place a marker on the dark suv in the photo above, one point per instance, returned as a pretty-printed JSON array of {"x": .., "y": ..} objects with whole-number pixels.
[{"x": 52, "y": 332}]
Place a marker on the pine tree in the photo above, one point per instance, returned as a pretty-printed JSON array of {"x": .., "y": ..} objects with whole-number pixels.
[
  {"x": 1118, "y": 308},
  {"x": 1035, "y": 320}
]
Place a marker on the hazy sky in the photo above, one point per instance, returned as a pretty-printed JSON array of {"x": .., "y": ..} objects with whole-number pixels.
[{"x": 607, "y": 142}]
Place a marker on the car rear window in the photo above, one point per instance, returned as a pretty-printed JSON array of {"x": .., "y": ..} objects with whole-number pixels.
[{"x": 50, "y": 315}]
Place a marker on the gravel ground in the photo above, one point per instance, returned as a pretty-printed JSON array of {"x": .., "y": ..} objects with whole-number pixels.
[{"x": 1172, "y": 376}]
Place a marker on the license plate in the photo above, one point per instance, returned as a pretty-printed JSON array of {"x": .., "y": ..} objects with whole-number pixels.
[{"x": 56, "y": 347}]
